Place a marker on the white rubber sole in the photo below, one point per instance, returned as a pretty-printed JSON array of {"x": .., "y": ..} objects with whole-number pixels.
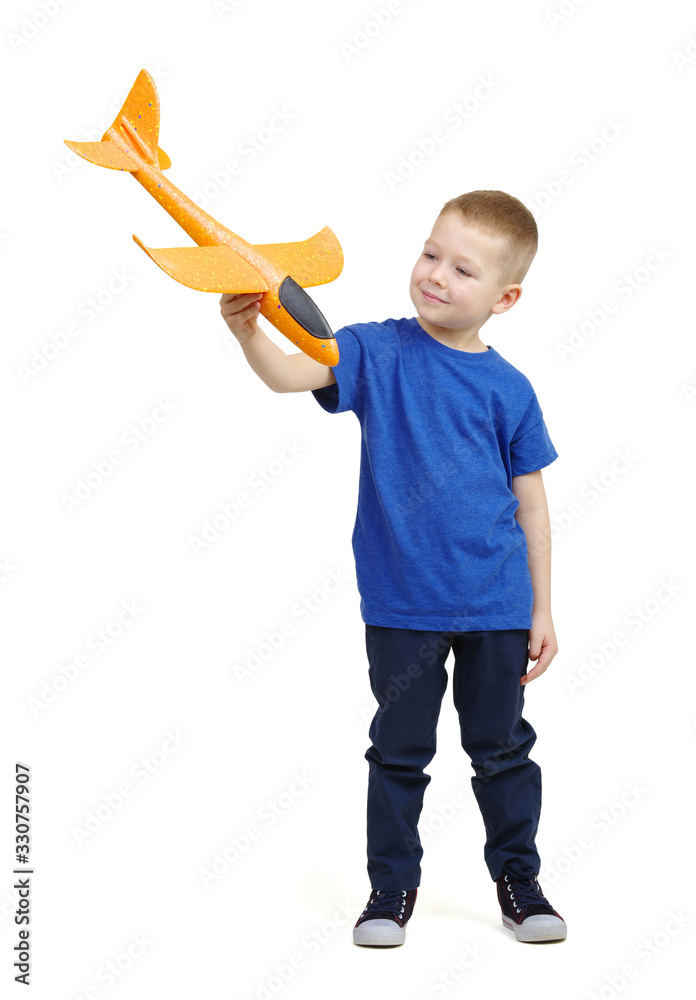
[
  {"x": 379, "y": 933},
  {"x": 538, "y": 927}
]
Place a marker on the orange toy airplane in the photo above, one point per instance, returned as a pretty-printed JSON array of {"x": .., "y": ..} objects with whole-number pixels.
[{"x": 222, "y": 261}]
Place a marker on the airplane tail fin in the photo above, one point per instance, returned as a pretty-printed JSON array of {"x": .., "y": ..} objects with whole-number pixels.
[{"x": 131, "y": 141}]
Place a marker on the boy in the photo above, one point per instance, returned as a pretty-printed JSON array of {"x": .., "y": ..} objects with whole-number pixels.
[{"x": 452, "y": 549}]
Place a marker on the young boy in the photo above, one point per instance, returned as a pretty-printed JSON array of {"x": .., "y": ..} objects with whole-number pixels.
[{"x": 452, "y": 549}]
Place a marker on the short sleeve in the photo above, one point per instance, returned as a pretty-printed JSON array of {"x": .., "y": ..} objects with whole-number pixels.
[
  {"x": 531, "y": 447},
  {"x": 344, "y": 393}
]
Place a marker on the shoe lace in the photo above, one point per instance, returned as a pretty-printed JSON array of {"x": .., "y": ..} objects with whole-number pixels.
[
  {"x": 387, "y": 901},
  {"x": 524, "y": 888}
]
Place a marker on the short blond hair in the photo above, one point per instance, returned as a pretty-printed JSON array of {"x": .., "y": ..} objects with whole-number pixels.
[{"x": 499, "y": 214}]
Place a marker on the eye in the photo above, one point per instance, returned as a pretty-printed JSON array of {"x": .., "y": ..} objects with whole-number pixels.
[
  {"x": 462, "y": 271},
  {"x": 428, "y": 254}
]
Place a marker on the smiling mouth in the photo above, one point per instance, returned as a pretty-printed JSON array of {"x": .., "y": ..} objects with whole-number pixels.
[{"x": 432, "y": 298}]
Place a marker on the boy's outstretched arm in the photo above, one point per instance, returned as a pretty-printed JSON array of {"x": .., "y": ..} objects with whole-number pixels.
[
  {"x": 281, "y": 372},
  {"x": 533, "y": 516}
]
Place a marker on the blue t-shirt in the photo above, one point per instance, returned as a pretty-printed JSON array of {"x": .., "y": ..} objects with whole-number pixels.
[{"x": 435, "y": 541}]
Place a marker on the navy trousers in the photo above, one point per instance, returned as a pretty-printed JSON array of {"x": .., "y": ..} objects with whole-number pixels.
[{"x": 408, "y": 679}]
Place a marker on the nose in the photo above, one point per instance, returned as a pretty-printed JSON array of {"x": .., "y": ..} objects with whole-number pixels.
[
  {"x": 436, "y": 273},
  {"x": 303, "y": 310}
]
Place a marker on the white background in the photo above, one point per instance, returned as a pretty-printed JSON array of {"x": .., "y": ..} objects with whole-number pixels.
[{"x": 600, "y": 95}]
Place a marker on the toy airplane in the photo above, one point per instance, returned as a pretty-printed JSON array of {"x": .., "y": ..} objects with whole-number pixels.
[{"x": 222, "y": 261}]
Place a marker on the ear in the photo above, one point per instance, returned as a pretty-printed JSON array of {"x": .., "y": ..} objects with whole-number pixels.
[{"x": 508, "y": 296}]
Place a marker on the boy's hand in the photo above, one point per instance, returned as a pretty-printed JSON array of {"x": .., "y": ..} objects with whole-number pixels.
[
  {"x": 240, "y": 312},
  {"x": 543, "y": 645}
]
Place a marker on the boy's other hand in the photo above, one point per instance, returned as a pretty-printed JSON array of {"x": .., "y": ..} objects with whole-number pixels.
[
  {"x": 240, "y": 312},
  {"x": 543, "y": 645}
]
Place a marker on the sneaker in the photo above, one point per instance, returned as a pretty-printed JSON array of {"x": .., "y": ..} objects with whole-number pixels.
[
  {"x": 525, "y": 909},
  {"x": 384, "y": 919}
]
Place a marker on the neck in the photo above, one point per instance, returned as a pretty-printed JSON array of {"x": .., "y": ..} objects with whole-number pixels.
[{"x": 459, "y": 340}]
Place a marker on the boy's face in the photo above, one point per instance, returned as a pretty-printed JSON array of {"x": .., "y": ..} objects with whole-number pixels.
[{"x": 454, "y": 284}]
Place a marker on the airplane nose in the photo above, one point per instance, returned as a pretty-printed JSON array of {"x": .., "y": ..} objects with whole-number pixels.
[{"x": 303, "y": 310}]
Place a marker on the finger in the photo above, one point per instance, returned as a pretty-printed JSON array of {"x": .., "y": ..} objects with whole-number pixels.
[
  {"x": 536, "y": 644},
  {"x": 239, "y": 303},
  {"x": 232, "y": 311},
  {"x": 536, "y": 671}
]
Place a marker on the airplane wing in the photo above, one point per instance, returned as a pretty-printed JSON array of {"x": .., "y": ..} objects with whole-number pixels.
[
  {"x": 311, "y": 262},
  {"x": 107, "y": 154},
  {"x": 207, "y": 269}
]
